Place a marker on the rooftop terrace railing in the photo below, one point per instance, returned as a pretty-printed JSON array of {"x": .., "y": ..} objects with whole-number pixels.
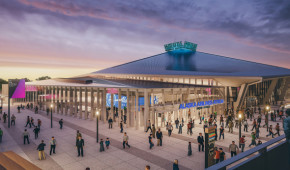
[{"x": 271, "y": 155}]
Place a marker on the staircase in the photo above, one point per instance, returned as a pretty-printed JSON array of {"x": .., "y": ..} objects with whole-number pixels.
[{"x": 10, "y": 160}]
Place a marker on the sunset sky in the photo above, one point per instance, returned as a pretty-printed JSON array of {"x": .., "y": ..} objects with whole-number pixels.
[{"x": 62, "y": 38}]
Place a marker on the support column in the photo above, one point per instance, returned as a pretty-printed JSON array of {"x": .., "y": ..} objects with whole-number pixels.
[
  {"x": 146, "y": 108},
  {"x": 128, "y": 109},
  {"x": 92, "y": 104},
  {"x": 137, "y": 123},
  {"x": 61, "y": 97},
  {"x": 112, "y": 106},
  {"x": 104, "y": 117},
  {"x": 119, "y": 105},
  {"x": 65, "y": 101},
  {"x": 81, "y": 103},
  {"x": 44, "y": 98},
  {"x": 57, "y": 102},
  {"x": 75, "y": 102},
  {"x": 70, "y": 101},
  {"x": 98, "y": 107},
  {"x": 86, "y": 103},
  {"x": 152, "y": 116}
]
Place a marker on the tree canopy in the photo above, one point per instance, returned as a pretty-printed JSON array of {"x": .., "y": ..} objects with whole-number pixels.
[{"x": 43, "y": 78}]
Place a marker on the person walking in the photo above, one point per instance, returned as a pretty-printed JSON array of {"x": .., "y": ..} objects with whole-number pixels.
[
  {"x": 52, "y": 143},
  {"x": 80, "y": 144},
  {"x": 242, "y": 142},
  {"x": 121, "y": 127},
  {"x": 175, "y": 165},
  {"x": 254, "y": 125},
  {"x": 36, "y": 131},
  {"x": 216, "y": 155},
  {"x": 153, "y": 131},
  {"x": 78, "y": 135},
  {"x": 28, "y": 121},
  {"x": 1, "y": 135},
  {"x": 25, "y": 136},
  {"x": 188, "y": 127},
  {"x": 170, "y": 128},
  {"x": 4, "y": 117},
  {"x": 60, "y": 123},
  {"x": 159, "y": 137},
  {"x": 125, "y": 140},
  {"x": 102, "y": 148},
  {"x": 270, "y": 132},
  {"x": 200, "y": 142},
  {"x": 148, "y": 126},
  {"x": 176, "y": 123},
  {"x": 189, "y": 152},
  {"x": 40, "y": 149},
  {"x": 221, "y": 119},
  {"x": 277, "y": 129},
  {"x": 246, "y": 126},
  {"x": 234, "y": 149},
  {"x": 150, "y": 141},
  {"x": 231, "y": 124},
  {"x": 222, "y": 132},
  {"x": 253, "y": 136},
  {"x": 13, "y": 118},
  {"x": 180, "y": 129},
  {"x": 110, "y": 121},
  {"x": 222, "y": 155},
  {"x": 32, "y": 121},
  {"x": 107, "y": 143},
  {"x": 38, "y": 123},
  {"x": 257, "y": 132}
]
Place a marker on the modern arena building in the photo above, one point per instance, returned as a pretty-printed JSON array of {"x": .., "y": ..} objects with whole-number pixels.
[{"x": 179, "y": 83}]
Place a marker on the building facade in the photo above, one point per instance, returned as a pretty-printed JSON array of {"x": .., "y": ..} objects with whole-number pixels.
[{"x": 180, "y": 83}]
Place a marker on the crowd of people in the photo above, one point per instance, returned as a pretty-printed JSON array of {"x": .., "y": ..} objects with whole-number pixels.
[{"x": 228, "y": 120}]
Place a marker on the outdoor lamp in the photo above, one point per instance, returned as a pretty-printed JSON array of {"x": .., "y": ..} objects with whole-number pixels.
[
  {"x": 51, "y": 105},
  {"x": 97, "y": 113},
  {"x": 240, "y": 115},
  {"x": 267, "y": 108}
]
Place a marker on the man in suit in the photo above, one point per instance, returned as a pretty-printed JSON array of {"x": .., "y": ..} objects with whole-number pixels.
[
  {"x": 200, "y": 141},
  {"x": 80, "y": 144}
]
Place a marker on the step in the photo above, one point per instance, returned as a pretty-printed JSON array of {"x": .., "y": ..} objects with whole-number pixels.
[{"x": 7, "y": 163}]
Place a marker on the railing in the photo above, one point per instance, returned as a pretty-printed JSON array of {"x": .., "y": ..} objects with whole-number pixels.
[{"x": 263, "y": 160}]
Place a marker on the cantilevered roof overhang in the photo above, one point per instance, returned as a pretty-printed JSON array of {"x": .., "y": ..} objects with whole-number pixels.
[{"x": 194, "y": 64}]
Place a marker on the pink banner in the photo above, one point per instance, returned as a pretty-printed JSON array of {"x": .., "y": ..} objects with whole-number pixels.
[{"x": 112, "y": 91}]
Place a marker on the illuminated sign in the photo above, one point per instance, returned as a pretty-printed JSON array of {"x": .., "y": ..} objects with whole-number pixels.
[
  {"x": 201, "y": 104},
  {"x": 178, "y": 45}
]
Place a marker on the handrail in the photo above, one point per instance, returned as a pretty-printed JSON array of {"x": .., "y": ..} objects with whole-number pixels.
[{"x": 245, "y": 154}]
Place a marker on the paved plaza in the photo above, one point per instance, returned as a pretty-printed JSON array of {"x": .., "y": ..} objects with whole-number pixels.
[{"x": 139, "y": 155}]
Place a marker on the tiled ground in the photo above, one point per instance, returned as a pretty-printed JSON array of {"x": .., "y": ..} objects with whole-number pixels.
[{"x": 139, "y": 155}]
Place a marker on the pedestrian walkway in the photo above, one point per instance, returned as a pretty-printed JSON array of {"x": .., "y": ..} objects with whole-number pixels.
[{"x": 139, "y": 155}]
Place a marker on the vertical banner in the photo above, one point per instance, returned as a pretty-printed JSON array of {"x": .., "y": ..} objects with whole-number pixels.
[{"x": 16, "y": 88}]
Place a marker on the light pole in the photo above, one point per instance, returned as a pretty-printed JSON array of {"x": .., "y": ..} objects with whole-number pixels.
[
  {"x": 51, "y": 115},
  {"x": 266, "y": 116},
  {"x": 240, "y": 127},
  {"x": 97, "y": 130}
]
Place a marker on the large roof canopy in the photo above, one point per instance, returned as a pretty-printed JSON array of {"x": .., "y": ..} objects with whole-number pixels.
[{"x": 189, "y": 63}]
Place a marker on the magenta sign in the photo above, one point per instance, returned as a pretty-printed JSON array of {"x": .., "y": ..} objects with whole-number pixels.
[
  {"x": 16, "y": 88},
  {"x": 31, "y": 88},
  {"x": 112, "y": 90}
]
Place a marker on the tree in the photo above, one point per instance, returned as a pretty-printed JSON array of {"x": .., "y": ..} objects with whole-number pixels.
[
  {"x": 26, "y": 79},
  {"x": 43, "y": 78}
]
